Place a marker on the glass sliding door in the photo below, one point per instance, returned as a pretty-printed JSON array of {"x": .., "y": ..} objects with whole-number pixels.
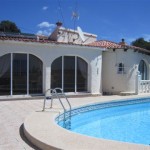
[
  {"x": 82, "y": 70},
  {"x": 5, "y": 73},
  {"x": 19, "y": 74},
  {"x": 56, "y": 73},
  {"x": 35, "y": 75},
  {"x": 69, "y": 74}
]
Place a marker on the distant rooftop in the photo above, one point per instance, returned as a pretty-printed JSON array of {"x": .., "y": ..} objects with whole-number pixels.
[{"x": 25, "y": 35}]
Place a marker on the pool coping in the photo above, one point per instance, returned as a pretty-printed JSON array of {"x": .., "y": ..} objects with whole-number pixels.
[{"x": 41, "y": 129}]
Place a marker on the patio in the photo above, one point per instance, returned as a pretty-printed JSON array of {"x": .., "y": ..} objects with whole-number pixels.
[{"x": 14, "y": 112}]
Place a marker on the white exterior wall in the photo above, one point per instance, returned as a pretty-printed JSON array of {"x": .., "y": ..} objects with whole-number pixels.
[
  {"x": 49, "y": 52},
  {"x": 114, "y": 83},
  {"x": 68, "y": 35}
]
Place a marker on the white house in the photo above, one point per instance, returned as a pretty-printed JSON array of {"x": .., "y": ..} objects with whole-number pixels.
[
  {"x": 29, "y": 64},
  {"x": 120, "y": 65}
]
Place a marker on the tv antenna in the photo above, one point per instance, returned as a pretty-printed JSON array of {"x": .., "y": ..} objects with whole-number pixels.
[
  {"x": 75, "y": 15},
  {"x": 81, "y": 34}
]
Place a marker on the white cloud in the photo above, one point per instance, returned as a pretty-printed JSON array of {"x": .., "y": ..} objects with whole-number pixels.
[
  {"x": 40, "y": 32},
  {"x": 44, "y": 32},
  {"x": 45, "y": 28},
  {"x": 45, "y": 24},
  {"x": 45, "y": 8}
]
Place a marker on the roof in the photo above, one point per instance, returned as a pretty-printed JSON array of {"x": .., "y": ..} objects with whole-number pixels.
[
  {"x": 105, "y": 44},
  {"x": 35, "y": 39},
  {"x": 112, "y": 45}
]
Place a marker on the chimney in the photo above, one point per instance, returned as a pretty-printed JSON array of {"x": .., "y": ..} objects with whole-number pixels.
[
  {"x": 122, "y": 42},
  {"x": 59, "y": 24},
  {"x": 54, "y": 34}
]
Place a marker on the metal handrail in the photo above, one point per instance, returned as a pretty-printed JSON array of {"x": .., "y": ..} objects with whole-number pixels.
[
  {"x": 62, "y": 94},
  {"x": 55, "y": 94},
  {"x": 58, "y": 95},
  {"x": 48, "y": 97}
]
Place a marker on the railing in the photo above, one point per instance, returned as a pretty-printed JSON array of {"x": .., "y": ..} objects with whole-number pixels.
[
  {"x": 57, "y": 93},
  {"x": 141, "y": 86},
  {"x": 48, "y": 96},
  {"x": 144, "y": 86}
]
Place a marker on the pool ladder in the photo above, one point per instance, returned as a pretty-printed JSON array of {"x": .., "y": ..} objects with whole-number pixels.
[{"x": 59, "y": 94}]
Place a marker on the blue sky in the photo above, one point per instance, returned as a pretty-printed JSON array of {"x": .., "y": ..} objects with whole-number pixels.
[{"x": 109, "y": 19}]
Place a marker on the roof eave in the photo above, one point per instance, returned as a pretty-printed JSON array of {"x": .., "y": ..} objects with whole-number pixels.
[{"x": 51, "y": 43}]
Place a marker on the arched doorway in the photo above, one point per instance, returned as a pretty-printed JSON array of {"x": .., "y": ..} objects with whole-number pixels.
[
  {"x": 70, "y": 74},
  {"x": 143, "y": 70},
  {"x": 20, "y": 74}
]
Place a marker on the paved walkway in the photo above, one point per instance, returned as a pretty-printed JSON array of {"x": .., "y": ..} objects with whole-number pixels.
[{"x": 13, "y": 114}]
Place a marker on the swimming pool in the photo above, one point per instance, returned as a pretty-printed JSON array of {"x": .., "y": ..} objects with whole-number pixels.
[{"x": 127, "y": 121}]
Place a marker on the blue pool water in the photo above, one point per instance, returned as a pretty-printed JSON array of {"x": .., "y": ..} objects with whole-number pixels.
[{"x": 128, "y": 123}]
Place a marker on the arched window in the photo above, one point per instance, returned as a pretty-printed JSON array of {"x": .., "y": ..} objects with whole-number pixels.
[
  {"x": 69, "y": 73},
  {"x": 143, "y": 70},
  {"x": 20, "y": 74}
]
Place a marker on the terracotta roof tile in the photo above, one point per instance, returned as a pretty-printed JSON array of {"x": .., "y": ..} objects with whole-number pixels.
[
  {"x": 113, "y": 45},
  {"x": 105, "y": 44},
  {"x": 100, "y": 44},
  {"x": 40, "y": 40}
]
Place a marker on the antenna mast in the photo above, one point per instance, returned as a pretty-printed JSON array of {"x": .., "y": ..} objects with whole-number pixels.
[{"x": 75, "y": 15}]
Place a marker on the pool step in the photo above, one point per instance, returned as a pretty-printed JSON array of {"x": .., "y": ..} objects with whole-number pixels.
[{"x": 67, "y": 124}]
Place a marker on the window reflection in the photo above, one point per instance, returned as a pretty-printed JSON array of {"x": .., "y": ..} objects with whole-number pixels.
[
  {"x": 35, "y": 75},
  {"x": 56, "y": 73},
  {"x": 82, "y": 69},
  {"x": 143, "y": 70},
  {"x": 72, "y": 76},
  {"x": 69, "y": 74},
  {"x": 19, "y": 74},
  {"x": 5, "y": 74}
]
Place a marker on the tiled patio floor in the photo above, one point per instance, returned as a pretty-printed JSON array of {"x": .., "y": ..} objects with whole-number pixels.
[{"x": 12, "y": 115}]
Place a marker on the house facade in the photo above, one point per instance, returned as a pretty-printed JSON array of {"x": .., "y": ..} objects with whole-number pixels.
[
  {"x": 30, "y": 65},
  {"x": 121, "y": 64}
]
